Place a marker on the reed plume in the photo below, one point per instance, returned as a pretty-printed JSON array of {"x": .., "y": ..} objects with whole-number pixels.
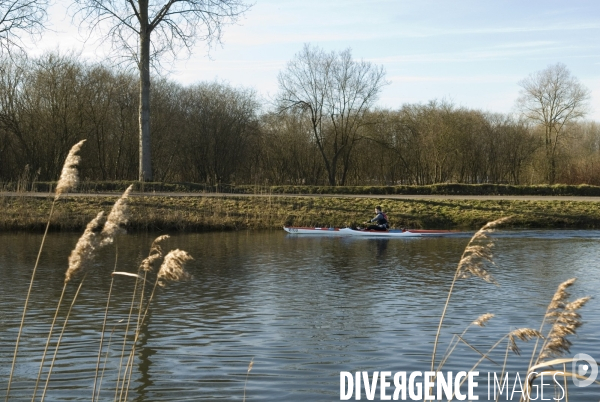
[
  {"x": 561, "y": 295},
  {"x": 478, "y": 253},
  {"x": 115, "y": 222},
  {"x": 565, "y": 323},
  {"x": 82, "y": 253},
  {"x": 86, "y": 245},
  {"x": 116, "y": 219},
  {"x": 554, "y": 309},
  {"x": 524, "y": 334},
  {"x": 98, "y": 233},
  {"x": 69, "y": 176},
  {"x": 482, "y": 319},
  {"x": 155, "y": 254},
  {"x": 472, "y": 262},
  {"x": 69, "y": 179},
  {"x": 565, "y": 320},
  {"x": 247, "y": 373},
  {"x": 95, "y": 236},
  {"x": 171, "y": 269}
]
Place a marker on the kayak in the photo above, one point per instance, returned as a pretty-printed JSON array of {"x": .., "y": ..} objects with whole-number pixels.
[{"x": 367, "y": 233}]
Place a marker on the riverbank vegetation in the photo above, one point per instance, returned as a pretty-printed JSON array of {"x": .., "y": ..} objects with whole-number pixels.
[
  {"x": 164, "y": 213},
  {"x": 561, "y": 320},
  {"x": 219, "y": 135},
  {"x": 100, "y": 232}
]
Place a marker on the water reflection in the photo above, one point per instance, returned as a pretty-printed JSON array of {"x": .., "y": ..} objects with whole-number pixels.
[
  {"x": 381, "y": 247},
  {"x": 304, "y": 308}
]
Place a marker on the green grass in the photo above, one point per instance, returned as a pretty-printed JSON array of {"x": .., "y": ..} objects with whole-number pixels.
[{"x": 158, "y": 213}]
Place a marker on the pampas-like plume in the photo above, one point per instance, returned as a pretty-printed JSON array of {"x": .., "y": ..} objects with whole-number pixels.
[
  {"x": 476, "y": 254},
  {"x": 172, "y": 267},
  {"x": 170, "y": 270},
  {"x": 98, "y": 233},
  {"x": 118, "y": 217},
  {"x": 524, "y": 334},
  {"x": 482, "y": 319},
  {"x": 471, "y": 263},
  {"x": 69, "y": 177},
  {"x": 84, "y": 250},
  {"x": 561, "y": 296},
  {"x": 565, "y": 323},
  {"x": 154, "y": 255},
  {"x": 246, "y": 382}
]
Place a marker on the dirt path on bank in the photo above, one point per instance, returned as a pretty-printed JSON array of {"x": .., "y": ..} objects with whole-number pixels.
[{"x": 375, "y": 196}]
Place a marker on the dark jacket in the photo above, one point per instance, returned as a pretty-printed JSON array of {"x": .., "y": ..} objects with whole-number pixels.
[{"x": 380, "y": 219}]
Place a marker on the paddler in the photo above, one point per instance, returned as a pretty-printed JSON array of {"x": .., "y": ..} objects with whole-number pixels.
[{"x": 380, "y": 220}]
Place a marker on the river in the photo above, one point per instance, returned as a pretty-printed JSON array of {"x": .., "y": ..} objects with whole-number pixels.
[{"x": 301, "y": 309}]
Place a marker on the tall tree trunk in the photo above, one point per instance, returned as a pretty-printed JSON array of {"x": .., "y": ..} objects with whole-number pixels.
[{"x": 145, "y": 172}]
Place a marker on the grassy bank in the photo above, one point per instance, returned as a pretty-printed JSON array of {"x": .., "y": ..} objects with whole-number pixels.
[
  {"x": 582, "y": 190},
  {"x": 240, "y": 213}
]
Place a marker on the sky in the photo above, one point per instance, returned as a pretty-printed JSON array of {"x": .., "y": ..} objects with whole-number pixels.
[{"x": 472, "y": 53}]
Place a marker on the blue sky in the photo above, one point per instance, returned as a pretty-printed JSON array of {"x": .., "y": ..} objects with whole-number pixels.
[{"x": 472, "y": 53}]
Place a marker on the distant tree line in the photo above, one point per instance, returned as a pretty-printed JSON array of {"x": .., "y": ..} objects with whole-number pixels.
[{"x": 215, "y": 133}]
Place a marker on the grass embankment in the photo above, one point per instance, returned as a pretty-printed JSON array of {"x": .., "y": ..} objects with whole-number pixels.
[
  {"x": 156, "y": 213},
  {"x": 433, "y": 189}
]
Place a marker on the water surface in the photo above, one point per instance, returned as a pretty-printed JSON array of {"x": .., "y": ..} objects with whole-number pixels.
[{"x": 301, "y": 308}]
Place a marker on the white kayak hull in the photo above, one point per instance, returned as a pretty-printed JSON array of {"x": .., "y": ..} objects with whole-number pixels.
[{"x": 366, "y": 233}]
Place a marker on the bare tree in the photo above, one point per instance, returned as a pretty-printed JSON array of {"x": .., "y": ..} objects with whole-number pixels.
[
  {"x": 173, "y": 25},
  {"x": 334, "y": 91},
  {"x": 553, "y": 98},
  {"x": 19, "y": 17}
]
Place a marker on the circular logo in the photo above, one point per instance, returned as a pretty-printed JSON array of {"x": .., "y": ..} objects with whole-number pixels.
[{"x": 584, "y": 365}]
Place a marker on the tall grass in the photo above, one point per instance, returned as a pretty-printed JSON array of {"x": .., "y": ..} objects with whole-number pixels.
[
  {"x": 69, "y": 178},
  {"x": 99, "y": 233},
  {"x": 561, "y": 317}
]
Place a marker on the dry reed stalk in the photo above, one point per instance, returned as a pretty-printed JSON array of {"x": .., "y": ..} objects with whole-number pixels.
[
  {"x": 69, "y": 179},
  {"x": 558, "y": 302},
  {"x": 121, "y": 382},
  {"x": 534, "y": 372},
  {"x": 171, "y": 269},
  {"x": 247, "y": 373},
  {"x": 82, "y": 253},
  {"x": 59, "y": 340},
  {"x": 565, "y": 321},
  {"x": 565, "y": 383},
  {"x": 39, "y": 376},
  {"x": 93, "y": 238},
  {"x": 503, "y": 368},
  {"x": 117, "y": 218},
  {"x": 480, "y": 322},
  {"x": 523, "y": 334},
  {"x": 472, "y": 262},
  {"x": 105, "y": 359},
  {"x": 147, "y": 265},
  {"x": 104, "y": 326}
]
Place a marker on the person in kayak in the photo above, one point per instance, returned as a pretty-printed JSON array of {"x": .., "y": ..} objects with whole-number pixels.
[{"x": 380, "y": 220}]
